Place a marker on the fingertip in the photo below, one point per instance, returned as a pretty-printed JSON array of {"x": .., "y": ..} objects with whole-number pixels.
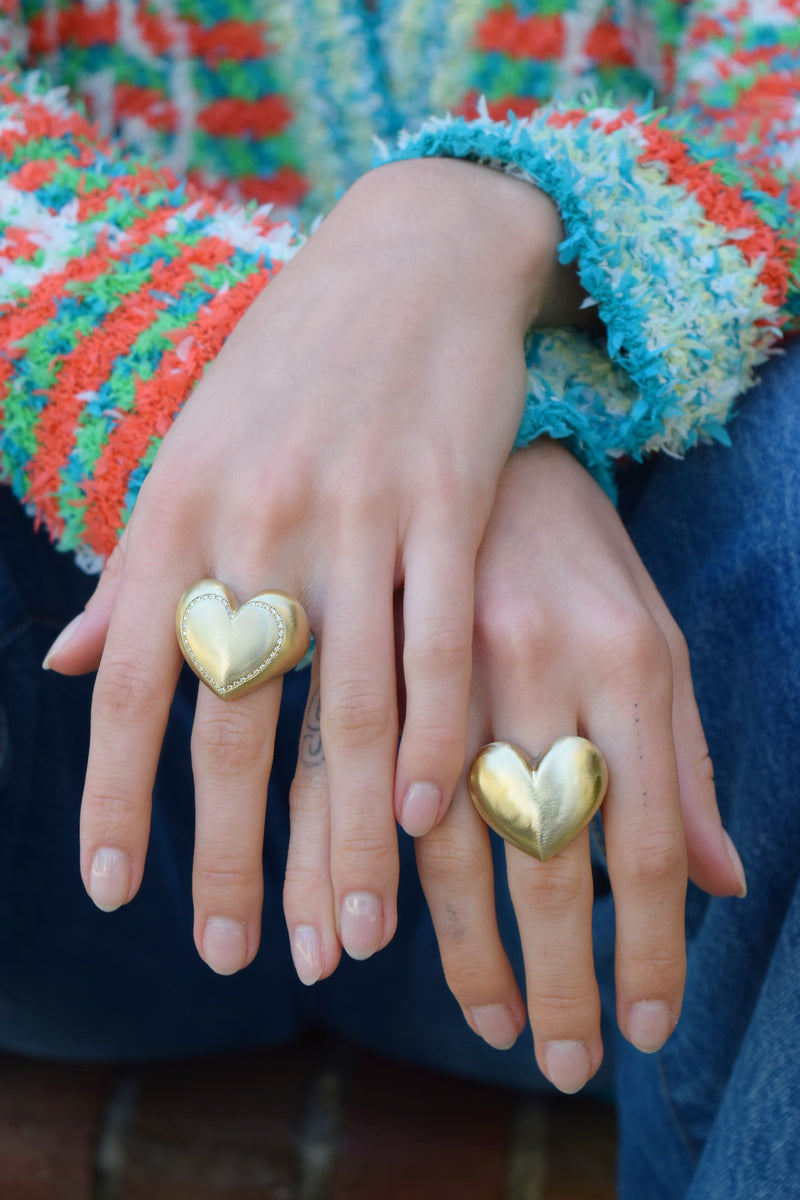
[
  {"x": 421, "y": 808},
  {"x": 736, "y": 864}
]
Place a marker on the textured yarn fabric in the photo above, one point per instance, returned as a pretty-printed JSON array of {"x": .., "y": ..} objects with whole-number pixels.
[{"x": 133, "y": 136}]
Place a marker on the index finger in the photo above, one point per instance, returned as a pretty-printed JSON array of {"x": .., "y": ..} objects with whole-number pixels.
[{"x": 130, "y": 707}]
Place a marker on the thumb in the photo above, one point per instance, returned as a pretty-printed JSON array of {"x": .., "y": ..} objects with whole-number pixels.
[{"x": 79, "y": 647}]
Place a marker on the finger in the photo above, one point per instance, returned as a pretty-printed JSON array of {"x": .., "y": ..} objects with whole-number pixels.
[
  {"x": 714, "y": 862},
  {"x": 454, "y": 861},
  {"x": 437, "y": 660},
  {"x": 232, "y": 745},
  {"x": 308, "y": 891},
  {"x": 79, "y": 647},
  {"x": 130, "y": 706},
  {"x": 359, "y": 732},
  {"x": 553, "y": 905},
  {"x": 645, "y": 847}
]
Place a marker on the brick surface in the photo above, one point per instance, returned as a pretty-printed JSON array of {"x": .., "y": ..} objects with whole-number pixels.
[
  {"x": 318, "y": 1122},
  {"x": 412, "y": 1133},
  {"x": 50, "y": 1118},
  {"x": 218, "y": 1128},
  {"x": 581, "y": 1150}
]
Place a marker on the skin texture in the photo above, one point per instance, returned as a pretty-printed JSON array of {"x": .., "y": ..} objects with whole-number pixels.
[{"x": 347, "y": 447}]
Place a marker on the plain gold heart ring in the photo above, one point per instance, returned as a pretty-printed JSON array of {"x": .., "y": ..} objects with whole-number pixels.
[
  {"x": 234, "y": 648},
  {"x": 539, "y": 807}
]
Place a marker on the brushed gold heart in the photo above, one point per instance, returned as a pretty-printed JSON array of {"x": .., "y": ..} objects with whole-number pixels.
[
  {"x": 234, "y": 649},
  {"x": 539, "y": 807}
]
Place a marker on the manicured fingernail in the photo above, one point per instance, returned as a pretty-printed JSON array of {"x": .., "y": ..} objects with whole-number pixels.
[
  {"x": 361, "y": 924},
  {"x": 65, "y": 636},
  {"x": 307, "y": 954},
  {"x": 420, "y": 808},
  {"x": 650, "y": 1023},
  {"x": 224, "y": 945},
  {"x": 736, "y": 863},
  {"x": 496, "y": 1025},
  {"x": 109, "y": 878},
  {"x": 567, "y": 1065}
]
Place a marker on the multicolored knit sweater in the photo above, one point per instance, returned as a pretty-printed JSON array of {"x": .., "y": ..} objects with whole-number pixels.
[{"x": 127, "y": 251}]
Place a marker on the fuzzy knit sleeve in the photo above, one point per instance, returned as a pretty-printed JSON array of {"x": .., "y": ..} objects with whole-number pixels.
[
  {"x": 685, "y": 226},
  {"x": 117, "y": 288}
]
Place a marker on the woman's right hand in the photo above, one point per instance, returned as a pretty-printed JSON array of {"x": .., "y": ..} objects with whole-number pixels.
[
  {"x": 572, "y": 637},
  {"x": 347, "y": 442}
]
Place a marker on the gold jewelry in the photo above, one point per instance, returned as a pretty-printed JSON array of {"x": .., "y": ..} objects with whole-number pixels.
[
  {"x": 539, "y": 806},
  {"x": 234, "y": 649}
]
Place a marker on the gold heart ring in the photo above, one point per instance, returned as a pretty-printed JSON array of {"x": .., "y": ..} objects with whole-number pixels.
[
  {"x": 233, "y": 648},
  {"x": 539, "y": 806}
]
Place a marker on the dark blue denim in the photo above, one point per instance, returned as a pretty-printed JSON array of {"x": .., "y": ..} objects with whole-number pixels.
[{"x": 714, "y": 1114}]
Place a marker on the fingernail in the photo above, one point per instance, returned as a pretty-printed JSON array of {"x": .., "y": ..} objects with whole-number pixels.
[
  {"x": 307, "y": 954},
  {"x": 109, "y": 878},
  {"x": 736, "y": 863},
  {"x": 650, "y": 1023},
  {"x": 420, "y": 808},
  {"x": 65, "y": 636},
  {"x": 567, "y": 1065},
  {"x": 224, "y": 945},
  {"x": 361, "y": 925},
  {"x": 496, "y": 1025}
]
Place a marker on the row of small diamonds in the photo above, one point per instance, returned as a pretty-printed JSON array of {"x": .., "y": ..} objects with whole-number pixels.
[{"x": 232, "y": 615}]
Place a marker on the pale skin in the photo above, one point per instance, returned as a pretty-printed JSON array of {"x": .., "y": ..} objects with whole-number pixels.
[{"x": 349, "y": 445}]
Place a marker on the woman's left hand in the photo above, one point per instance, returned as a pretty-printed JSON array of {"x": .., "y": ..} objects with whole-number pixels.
[{"x": 571, "y": 637}]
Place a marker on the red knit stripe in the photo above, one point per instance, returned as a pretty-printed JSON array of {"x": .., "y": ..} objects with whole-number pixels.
[
  {"x": 158, "y": 399},
  {"x": 286, "y": 187},
  {"x": 724, "y": 205},
  {"x": 234, "y": 117},
  {"x": 17, "y": 244},
  {"x": 505, "y": 31},
  {"x": 147, "y": 103},
  {"x": 34, "y": 174},
  {"x": 607, "y": 45},
  {"x": 41, "y": 304},
  {"x": 90, "y": 364},
  {"x": 75, "y": 24},
  {"x": 498, "y": 110}
]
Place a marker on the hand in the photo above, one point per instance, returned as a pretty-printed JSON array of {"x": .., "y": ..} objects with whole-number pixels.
[
  {"x": 347, "y": 442},
  {"x": 572, "y": 637}
]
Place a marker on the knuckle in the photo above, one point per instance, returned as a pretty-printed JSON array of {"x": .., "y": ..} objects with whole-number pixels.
[
  {"x": 365, "y": 847},
  {"x": 355, "y": 715},
  {"x": 633, "y": 655},
  {"x": 445, "y": 860},
  {"x": 555, "y": 886},
  {"x": 468, "y": 978},
  {"x": 500, "y": 610},
  {"x": 123, "y": 693},
  {"x": 109, "y": 808},
  {"x": 228, "y": 874},
  {"x": 225, "y": 740},
  {"x": 304, "y": 879},
  {"x": 443, "y": 647},
  {"x": 656, "y": 859}
]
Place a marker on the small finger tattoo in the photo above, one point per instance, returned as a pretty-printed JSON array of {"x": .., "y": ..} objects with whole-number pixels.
[{"x": 311, "y": 752}]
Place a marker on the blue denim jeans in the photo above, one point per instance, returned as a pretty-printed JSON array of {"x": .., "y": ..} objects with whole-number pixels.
[{"x": 715, "y": 1114}]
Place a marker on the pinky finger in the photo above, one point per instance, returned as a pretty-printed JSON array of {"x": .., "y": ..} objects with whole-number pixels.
[
  {"x": 308, "y": 900},
  {"x": 79, "y": 647}
]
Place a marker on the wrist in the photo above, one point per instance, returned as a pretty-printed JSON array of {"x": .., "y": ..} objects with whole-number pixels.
[{"x": 507, "y": 226}]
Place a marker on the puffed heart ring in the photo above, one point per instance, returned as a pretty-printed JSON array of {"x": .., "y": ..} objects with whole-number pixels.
[
  {"x": 539, "y": 807},
  {"x": 235, "y": 648}
]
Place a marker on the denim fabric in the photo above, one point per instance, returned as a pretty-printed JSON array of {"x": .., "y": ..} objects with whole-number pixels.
[{"x": 714, "y": 1114}]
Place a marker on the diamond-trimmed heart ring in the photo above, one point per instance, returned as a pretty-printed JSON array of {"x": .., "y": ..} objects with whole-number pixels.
[
  {"x": 234, "y": 648},
  {"x": 539, "y": 807}
]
